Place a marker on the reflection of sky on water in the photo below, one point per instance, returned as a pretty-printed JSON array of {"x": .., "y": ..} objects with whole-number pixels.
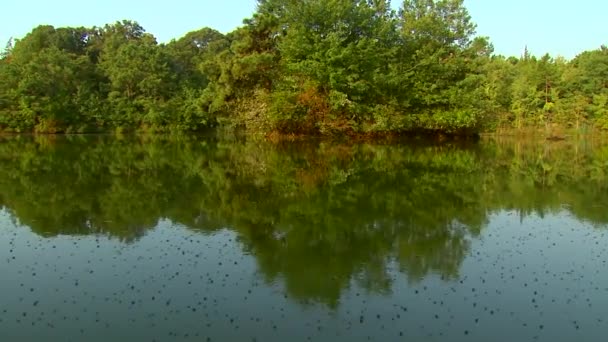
[{"x": 524, "y": 278}]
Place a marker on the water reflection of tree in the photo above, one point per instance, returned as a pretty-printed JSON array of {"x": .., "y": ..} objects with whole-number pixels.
[{"x": 316, "y": 216}]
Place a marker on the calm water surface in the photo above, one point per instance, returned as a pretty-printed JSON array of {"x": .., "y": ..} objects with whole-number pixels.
[{"x": 205, "y": 239}]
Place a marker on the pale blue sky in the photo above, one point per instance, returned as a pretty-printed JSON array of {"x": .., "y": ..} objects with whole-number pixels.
[{"x": 559, "y": 27}]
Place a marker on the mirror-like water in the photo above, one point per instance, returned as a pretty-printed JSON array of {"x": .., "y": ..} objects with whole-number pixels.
[{"x": 155, "y": 239}]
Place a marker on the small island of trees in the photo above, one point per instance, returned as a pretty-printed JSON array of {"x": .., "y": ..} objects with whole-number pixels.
[{"x": 315, "y": 67}]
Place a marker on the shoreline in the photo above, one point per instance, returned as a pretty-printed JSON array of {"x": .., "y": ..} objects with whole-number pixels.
[{"x": 274, "y": 136}]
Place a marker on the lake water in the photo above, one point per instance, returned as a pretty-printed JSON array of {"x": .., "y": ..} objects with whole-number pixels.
[{"x": 206, "y": 239}]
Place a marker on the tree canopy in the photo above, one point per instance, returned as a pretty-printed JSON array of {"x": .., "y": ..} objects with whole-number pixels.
[{"x": 298, "y": 67}]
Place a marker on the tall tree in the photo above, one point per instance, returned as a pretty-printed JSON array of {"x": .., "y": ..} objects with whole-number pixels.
[{"x": 439, "y": 52}]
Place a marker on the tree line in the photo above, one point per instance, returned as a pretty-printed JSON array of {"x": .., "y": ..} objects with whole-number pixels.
[{"x": 298, "y": 67}]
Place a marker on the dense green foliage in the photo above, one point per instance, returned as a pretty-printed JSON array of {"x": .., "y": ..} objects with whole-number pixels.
[
  {"x": 312, "y": 67},
  {"x": 315, "y": 214}
]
